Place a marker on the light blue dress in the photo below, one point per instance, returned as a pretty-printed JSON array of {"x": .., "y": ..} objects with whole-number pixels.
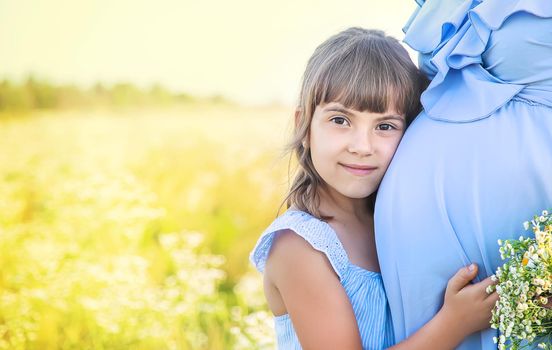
[
  {"x": 364, "y": 288},
  {"x": 477, "y": 162}
]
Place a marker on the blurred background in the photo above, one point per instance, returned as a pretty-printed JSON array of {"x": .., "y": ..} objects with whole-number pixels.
[{"x": 141, "y": 157}]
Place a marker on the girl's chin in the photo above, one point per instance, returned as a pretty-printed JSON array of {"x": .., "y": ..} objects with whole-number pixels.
[
  {"x": 358, "y": 195},
  {"x": 353, "y": 191}
]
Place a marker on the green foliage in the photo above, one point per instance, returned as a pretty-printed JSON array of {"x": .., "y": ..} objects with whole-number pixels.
[
  {"x": 36, "y": 94},
  {"x": 14, "y": 97},
  {"x": 43, "y": 94}
]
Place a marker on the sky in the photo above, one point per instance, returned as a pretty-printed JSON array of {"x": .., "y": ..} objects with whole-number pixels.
[{"x": 252, "y": 52}]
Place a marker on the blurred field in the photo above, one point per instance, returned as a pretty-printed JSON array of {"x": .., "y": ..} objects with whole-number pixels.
[{"x": 131, "y": 229}]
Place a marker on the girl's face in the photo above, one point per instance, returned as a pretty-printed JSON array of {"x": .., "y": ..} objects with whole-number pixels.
[{"x": 351, "y": 150}]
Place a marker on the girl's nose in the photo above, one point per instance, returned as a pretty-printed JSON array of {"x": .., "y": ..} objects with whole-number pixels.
[{"x": 361, "y": 144}]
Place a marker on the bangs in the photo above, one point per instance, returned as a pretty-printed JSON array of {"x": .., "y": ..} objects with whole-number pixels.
[{"x": 371, "y": 76}]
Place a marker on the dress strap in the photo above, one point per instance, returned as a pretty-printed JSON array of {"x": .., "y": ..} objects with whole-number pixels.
[{"x": 317, "y": 233}]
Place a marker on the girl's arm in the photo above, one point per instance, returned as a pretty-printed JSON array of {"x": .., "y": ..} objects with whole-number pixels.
[
  {"x": 314, "y": 298},
  {"x": 467, "y": 309}
]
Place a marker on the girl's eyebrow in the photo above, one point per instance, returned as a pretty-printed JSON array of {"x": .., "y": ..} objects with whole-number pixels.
[
  {"x": 339, "y": 109},
  {"x": 391, "y": 116}
]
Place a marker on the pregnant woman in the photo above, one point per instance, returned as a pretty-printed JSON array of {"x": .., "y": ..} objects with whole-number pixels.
[{"x": 477, "y": 162}]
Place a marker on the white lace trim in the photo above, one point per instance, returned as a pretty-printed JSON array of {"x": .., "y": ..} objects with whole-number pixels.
[{"x": 318, "y": 233}]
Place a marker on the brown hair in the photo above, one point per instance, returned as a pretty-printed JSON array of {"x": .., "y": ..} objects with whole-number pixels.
[{"x": 363, "y": 70}]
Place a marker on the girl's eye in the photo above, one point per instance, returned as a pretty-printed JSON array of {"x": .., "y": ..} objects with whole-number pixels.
[
  {"x": 340, "y": 121},
  {"x": 386, "y": 127}
]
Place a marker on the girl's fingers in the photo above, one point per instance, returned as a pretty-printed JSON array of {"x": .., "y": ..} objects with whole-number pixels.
[
  {"x": 462, "y": 278},
  {"x": 492, "y": 298},
  {"x": 485, "y": 283}
]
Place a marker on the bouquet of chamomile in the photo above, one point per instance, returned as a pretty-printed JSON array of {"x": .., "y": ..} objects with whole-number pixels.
[{"x": 524, "y": 284}]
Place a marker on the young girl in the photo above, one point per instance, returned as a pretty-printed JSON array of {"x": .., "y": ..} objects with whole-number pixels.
[{"x": 360, "y": 90}]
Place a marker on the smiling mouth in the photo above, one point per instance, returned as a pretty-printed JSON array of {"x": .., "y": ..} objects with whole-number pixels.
[{"x": 358, "y": 169}]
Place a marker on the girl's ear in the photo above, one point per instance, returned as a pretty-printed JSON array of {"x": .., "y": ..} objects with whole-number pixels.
[{"x": 298, "y": 113}]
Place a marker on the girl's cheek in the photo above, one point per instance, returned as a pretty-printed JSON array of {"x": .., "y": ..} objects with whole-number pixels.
[{"x": 392, "y": 148}]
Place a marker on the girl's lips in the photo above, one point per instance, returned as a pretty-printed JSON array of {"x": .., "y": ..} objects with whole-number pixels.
[{"x": 358, "y": 169}]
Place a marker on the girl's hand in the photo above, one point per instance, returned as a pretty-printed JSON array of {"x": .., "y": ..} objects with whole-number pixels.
[
  {"x": 467, "y": 309},
  {"x": 467, "y": 306}
]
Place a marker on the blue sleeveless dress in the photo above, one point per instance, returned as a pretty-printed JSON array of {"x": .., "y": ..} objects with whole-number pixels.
[
  {"x": 477, "y": 162},
  {"x": 364, "y": 288}
]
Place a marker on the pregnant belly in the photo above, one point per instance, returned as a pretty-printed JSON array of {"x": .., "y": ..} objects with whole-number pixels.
[{"x": 454, "y": 189}]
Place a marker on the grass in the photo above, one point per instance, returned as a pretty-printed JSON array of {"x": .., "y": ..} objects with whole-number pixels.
[{"x": 132, "y": 228}]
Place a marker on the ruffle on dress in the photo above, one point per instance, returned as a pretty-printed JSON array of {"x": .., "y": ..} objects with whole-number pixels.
[
  {"x": 317, "y": 233},
  {"x": 452, "y": 35}
]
